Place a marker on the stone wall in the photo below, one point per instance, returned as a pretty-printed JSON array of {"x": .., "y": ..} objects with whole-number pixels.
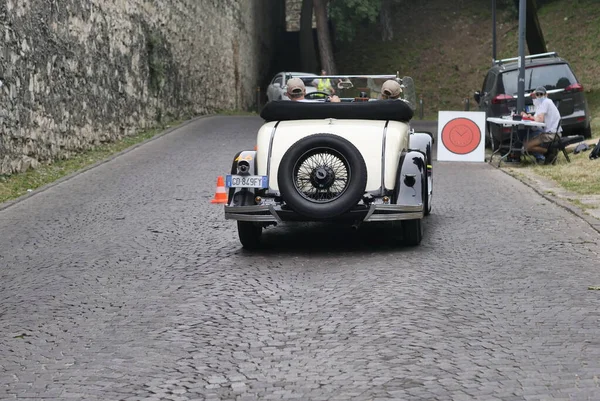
[{"x": 78, "y": 73}]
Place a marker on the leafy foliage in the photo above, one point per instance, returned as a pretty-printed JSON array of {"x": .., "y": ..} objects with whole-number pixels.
[{"x": 349, "y": 15}]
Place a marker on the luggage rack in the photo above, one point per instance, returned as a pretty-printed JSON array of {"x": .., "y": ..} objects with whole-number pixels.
[{"x": 532, "y": 56}]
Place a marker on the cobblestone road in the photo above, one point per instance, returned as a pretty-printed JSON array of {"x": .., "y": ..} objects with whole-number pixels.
[{"x": 126, "y": 283}]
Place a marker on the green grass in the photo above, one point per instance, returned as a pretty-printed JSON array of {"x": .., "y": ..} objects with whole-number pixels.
[
  {"x": 581, "y": 176},
  {"x": 13, "y": 186},
  {"x": 582, "y": 205}
]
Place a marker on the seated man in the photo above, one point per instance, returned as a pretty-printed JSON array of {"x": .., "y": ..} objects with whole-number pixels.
[
  {"x": 391, "y": 89},
  {"x": 296, "y": 90},
  {"x": 536, "y": 140}
]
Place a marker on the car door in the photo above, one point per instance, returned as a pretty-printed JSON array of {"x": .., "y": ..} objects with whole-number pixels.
[
  {"x": 274, "y": 92},
  {"x": 487, "y": 91},
  {"x": 270, "y": 89}
]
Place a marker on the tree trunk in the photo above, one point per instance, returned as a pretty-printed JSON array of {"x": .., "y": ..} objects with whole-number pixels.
[
  {"x": 385, "y": 20},
  {"x": 533, "y": 30},
  {"x": 307, "y": 42},
  {"x": 324, "y": 39}
]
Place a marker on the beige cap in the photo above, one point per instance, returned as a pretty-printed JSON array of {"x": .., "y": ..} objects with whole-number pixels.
[
  {"x": 295, "y": 86},
  {"x": 391, "y": 88}
]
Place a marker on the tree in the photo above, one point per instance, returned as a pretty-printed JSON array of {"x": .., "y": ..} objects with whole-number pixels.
[
  {"x": 323, "y": 37},
  {"x": 350, "y": 15},
  {"x": 307, "y": 43},
  {"x": 386, "y": 20}
]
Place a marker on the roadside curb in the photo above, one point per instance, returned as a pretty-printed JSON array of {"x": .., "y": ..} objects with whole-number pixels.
[
  {"x": 565, "y": 204},
  {"x": 43, "y": 188}
]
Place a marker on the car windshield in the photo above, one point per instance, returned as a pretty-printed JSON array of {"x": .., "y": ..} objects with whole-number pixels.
[
  {"x": 307, "y": 78},
  {"x": 351, "y": 87},
  {"x": 555, "y": 76}
]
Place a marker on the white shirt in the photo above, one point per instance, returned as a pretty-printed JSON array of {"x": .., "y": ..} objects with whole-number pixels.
[{"x": 551, "y": 114}]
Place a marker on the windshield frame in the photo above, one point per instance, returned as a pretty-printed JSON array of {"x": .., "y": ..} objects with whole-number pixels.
[{"x": 374, "y": 89}]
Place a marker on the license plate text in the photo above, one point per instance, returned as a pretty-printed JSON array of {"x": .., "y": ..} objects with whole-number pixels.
[{"x": 247, "y": 181}]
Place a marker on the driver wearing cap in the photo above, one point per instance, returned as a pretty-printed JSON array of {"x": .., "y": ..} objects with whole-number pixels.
[{"x": 295, "y": 89}]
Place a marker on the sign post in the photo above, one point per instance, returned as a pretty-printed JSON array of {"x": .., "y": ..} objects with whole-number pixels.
[
  {"x": 493, "y": 31},
  {"x": 521, "y": 82}
]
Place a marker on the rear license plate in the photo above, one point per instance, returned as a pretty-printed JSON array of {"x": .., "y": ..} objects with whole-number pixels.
[
  {"x": 530, "y": 108},
  {"x": 247, "y": 181}
]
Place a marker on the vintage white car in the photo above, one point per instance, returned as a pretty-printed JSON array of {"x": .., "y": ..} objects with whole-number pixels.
[{"x": 352, "y": 162}]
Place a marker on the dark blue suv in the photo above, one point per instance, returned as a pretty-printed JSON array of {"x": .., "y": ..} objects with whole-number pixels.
[{"x": 498, "y": 96}]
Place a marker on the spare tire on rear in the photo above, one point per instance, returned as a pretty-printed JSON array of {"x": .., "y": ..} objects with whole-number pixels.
[{"x": 322, "y": 176}]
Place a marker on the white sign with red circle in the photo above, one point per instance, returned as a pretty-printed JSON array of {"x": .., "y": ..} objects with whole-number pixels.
[{"x": 461, "y": 136}]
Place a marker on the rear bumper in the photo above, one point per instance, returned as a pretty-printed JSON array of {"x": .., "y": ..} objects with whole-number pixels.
[
  {"x": 277, "y": 214},
  {"x": 572, "y": 126}
]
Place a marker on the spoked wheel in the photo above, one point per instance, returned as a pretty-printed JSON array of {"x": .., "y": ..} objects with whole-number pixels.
[
  {"x": 322, "y": 176},
  {"x": 249, "y": 234}
]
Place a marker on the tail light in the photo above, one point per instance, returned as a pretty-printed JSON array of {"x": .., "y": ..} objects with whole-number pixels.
[
  {"x": 500, "y": 99},
  {"x": 574, "y": 88},
  {"x": 243, "y": 167}
]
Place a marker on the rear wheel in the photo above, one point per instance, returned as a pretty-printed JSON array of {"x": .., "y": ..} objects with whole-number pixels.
[
  {"x": 412, "y": 232},
  {"x": 587, "y": 133},
  {"x": 249, "y": 234},
  {"x": 428, "y": 182}
]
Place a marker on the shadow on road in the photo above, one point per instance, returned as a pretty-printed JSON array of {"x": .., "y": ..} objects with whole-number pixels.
[{"x": 324, "y": 238}]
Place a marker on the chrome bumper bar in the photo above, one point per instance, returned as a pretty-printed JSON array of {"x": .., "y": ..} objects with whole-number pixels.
[{"x": 275, "y": 214}]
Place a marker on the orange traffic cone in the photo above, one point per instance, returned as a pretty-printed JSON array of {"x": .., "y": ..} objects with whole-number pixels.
[{"x": 221, "y": 194}]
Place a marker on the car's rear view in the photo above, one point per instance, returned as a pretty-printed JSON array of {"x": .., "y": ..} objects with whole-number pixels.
[{"x": 562, "y": 88}]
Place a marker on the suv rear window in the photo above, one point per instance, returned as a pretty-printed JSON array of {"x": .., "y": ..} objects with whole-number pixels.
[{"x": 554, "y": 76}]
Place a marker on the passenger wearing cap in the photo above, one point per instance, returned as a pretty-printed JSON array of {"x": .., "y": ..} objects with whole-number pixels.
[
  {"x": 295, "y": 89},
  {"x": 536, "y": 140},
  {"x": 391, "y": 89}
]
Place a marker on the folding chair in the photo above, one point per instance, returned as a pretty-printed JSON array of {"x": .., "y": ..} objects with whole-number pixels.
[
  {"x": 554, "y": 146},
  {"x": 560, "y": 144}
]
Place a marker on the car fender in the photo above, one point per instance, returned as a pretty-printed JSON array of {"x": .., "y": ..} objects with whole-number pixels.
[
  {"x": 412, "y": 164},
  {"x": 420, "y": 141},
  {"x": 243, "y": 196},
  {"x": 423, "y": 142}
]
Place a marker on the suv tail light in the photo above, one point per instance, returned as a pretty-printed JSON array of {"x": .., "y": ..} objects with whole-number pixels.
[
  {"x": 502, "y": 99},
  {"x": 574, "y": 88}
]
